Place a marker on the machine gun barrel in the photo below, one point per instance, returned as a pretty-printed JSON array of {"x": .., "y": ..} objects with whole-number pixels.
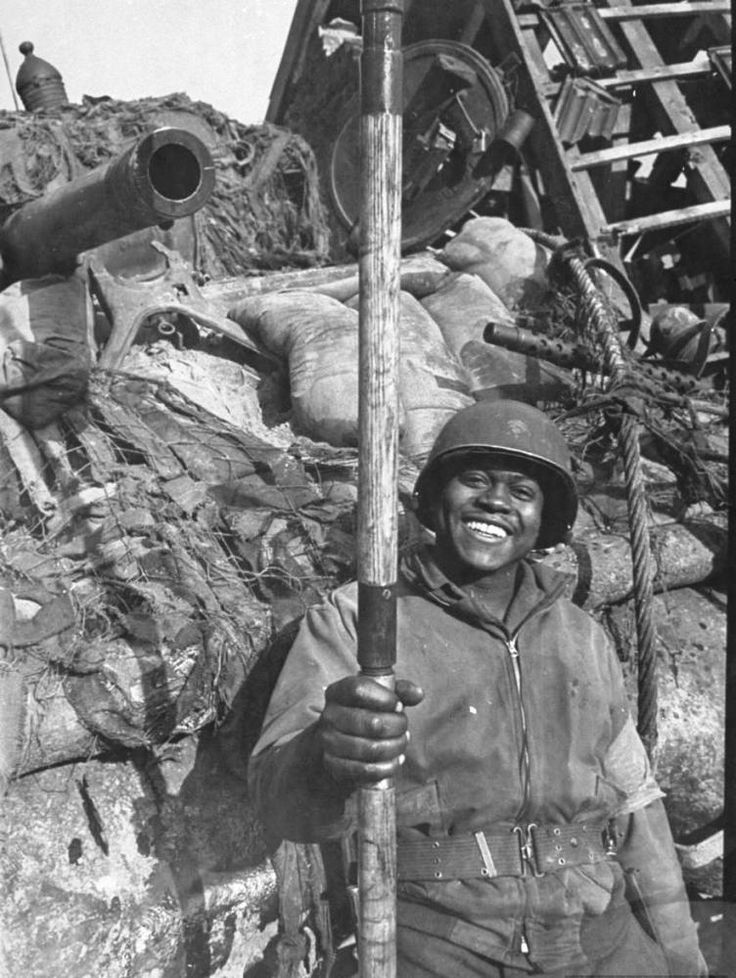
[
  {"x": 164, "y": 175},
  {"x": 560, "y": 352},
  {"x": 577, "y": 356}
]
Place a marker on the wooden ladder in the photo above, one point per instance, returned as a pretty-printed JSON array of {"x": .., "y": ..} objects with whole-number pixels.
[{"x": 591, "y": 187}]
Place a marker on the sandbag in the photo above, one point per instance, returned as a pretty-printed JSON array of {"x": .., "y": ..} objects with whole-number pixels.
[
  {"x": 462, "y": 306},
  {"x": 506, "y": 258},
  {"x": 318, "y": 336},
  {"x": 421, "y": 274},
  {"x": 44, "y": 348},
  {"x": 52, "y": 732},
  {"x": 227, "y": 389},
  {"x": 432, "y": 384},
  {"x": 37, "y": 725}
]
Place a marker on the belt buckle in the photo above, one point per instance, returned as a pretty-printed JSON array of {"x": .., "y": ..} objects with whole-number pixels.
[{"x": 526, "y": 849}]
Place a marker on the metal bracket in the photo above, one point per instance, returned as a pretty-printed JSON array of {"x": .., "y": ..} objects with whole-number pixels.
[
  {"x": 128, "y": 303},
  {"x": 526, "y": 848},
  {"x": 583, "y": 37}
]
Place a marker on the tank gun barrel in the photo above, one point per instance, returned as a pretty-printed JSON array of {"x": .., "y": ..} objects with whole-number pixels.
[{"x": 166, "y": 174}]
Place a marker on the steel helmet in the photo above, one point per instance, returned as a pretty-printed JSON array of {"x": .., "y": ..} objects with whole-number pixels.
[{"x": 515, "y": 429}]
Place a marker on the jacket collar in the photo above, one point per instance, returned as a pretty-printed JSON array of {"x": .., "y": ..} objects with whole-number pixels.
[{"x": 537, "y": 587}]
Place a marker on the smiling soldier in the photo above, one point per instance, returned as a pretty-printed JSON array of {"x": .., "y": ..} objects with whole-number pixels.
[{"x": 531, "y": 835}]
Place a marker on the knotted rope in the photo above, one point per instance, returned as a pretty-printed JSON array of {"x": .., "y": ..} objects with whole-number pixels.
[{"x": 599, "y": 316}]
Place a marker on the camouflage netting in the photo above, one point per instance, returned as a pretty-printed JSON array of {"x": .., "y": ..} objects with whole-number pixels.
[
  {"x": 265, "y": 211},
  {"x": 173, "y": 547}
]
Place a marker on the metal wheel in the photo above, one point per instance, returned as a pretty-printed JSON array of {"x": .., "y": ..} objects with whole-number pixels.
[{"x": 454, "y": 106}]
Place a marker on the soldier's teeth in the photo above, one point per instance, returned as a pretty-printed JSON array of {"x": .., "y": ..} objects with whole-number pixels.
[{"x": 488, "y": 529}]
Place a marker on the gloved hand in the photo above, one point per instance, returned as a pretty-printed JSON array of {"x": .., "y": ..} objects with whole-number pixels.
[{"x": 363, "y": 730}]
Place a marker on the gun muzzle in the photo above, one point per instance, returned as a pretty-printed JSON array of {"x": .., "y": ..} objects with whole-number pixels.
[{"x": 166, "y": 174}]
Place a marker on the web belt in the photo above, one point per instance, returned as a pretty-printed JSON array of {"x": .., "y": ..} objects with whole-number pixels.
[{"x": 522, "y": 851}]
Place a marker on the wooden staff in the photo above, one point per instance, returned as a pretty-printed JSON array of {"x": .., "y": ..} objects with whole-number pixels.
[{"x": 379, "y": 268}]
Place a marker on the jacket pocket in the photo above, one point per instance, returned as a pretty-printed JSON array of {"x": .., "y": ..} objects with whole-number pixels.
[
  {"x": 596, "y": 883},
  {"x": 420, "y": 808}
]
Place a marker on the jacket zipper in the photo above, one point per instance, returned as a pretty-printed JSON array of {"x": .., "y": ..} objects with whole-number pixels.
[{"x": 513, "y": 651}]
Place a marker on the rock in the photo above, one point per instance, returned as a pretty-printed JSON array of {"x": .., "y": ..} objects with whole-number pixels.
[
  {"x": 690, "y": 626},
  {"x": 599, "y": 565},
  {"x": 155, "y": 866}
]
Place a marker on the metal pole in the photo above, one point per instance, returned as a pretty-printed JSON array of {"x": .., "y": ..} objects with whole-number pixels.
[
  {"x": 728, "y": 951},
  {"x": 10, "y": 77},
  {"x": 379, "y": 274}
]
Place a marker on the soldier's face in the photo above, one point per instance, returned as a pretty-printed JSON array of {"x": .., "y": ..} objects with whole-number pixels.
[{"x": 487, "y": 515}]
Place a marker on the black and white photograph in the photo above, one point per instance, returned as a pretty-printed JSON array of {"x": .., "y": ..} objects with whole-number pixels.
[{"x": 366, "y": 551}]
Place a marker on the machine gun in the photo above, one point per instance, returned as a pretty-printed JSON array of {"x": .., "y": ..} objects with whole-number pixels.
[
  {"x": 649, "y": 375},
  {"x": 166, "y": 174}
]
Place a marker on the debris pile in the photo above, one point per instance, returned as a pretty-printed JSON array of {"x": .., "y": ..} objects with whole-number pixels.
[{"x": 166, "y": 523}]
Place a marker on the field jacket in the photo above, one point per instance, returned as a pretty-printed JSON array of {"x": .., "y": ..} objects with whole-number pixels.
[{"x": 523, "y": 722}]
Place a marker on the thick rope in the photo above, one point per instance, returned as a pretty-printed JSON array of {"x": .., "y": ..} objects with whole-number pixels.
[{"x": 596, "y": 313}]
